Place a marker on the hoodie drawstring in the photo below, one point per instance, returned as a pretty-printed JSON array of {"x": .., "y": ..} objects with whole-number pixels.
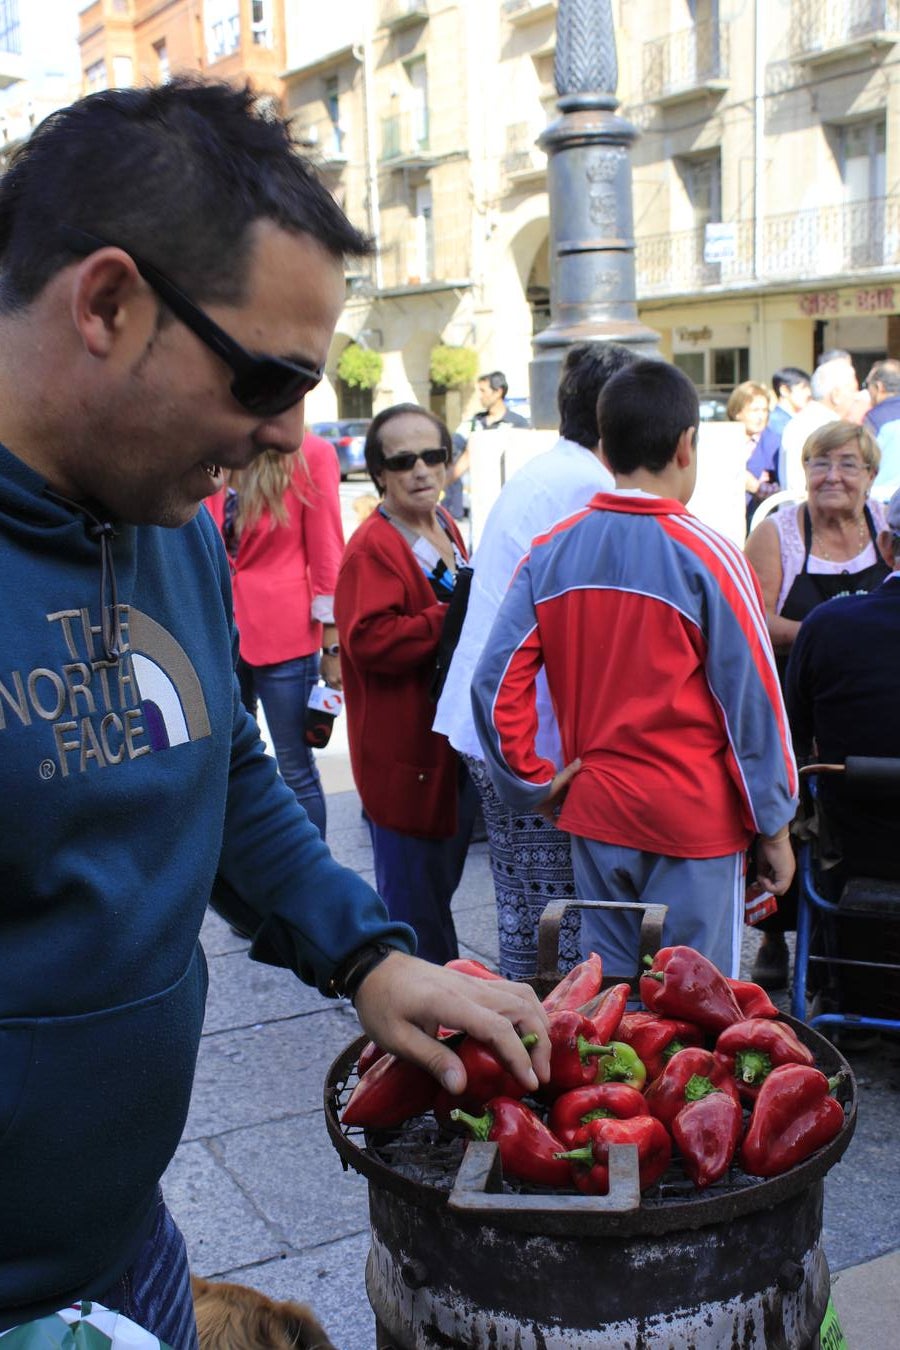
[{"x": 106, "y": 533}]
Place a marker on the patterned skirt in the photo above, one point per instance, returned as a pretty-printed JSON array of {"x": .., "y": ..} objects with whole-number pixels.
[{"x": 531, "y": 865}]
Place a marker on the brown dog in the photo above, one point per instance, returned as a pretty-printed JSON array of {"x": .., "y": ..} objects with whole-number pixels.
[{"x": 233, "y": 1317}]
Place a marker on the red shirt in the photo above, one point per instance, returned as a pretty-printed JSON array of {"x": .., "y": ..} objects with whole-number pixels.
[{"x": 279, "y": 569}]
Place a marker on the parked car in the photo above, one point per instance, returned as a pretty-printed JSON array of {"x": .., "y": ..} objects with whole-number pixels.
[{"x": 348, "y": 436}]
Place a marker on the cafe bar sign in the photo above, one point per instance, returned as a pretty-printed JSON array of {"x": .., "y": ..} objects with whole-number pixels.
[{"x": 864, "y": 300}]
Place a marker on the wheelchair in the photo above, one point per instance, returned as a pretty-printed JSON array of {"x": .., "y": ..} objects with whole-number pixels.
[{"x": 853, "y": 991}]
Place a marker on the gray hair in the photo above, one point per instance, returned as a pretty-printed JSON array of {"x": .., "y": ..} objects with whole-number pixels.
[{"x": 827, "y": 376}]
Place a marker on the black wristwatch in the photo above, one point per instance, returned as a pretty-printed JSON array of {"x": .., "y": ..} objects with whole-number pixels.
[
  {"x": 350, "y": 974},
  {"x": 334, "y": 649}
]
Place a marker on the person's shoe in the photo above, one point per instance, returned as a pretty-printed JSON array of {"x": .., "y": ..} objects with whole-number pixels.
[{"x": 770, "y": 969}]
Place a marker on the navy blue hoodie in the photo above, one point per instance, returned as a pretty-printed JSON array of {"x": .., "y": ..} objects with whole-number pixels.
[{"x": 130, "y": 791}]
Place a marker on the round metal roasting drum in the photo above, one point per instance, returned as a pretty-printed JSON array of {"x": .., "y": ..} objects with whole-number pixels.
[{"x": 462, "y": 1259}]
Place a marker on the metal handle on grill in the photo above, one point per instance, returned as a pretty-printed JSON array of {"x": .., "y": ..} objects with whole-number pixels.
[
  {"x": 478, "y": 1187},
  {"x": 548, "y": 973}
]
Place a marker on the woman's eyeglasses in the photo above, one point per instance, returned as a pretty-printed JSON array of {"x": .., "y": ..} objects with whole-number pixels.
[
  {"x": 406, "y": 460},
  {"x": 847, "y": 468},
  {"x": 264, "y": 385}
]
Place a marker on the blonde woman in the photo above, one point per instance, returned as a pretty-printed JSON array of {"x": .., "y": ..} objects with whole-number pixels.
[{"x": 281, "y": 522}]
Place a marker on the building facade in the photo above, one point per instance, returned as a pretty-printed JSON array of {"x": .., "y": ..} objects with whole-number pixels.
[
  {"x": 766, "y": 207},
  {"x": 137, "y": 42}
]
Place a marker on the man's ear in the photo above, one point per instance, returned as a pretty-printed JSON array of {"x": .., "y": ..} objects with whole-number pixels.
[{"x": 107, "y": 292}]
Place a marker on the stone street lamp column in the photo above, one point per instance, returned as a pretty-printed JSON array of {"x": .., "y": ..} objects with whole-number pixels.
[{"x": 592, "y": 283}]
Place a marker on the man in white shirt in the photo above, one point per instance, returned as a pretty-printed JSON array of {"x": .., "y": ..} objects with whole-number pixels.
[
  {"x": 530, "y": 858},
  {"x": 834, "y": 390}
]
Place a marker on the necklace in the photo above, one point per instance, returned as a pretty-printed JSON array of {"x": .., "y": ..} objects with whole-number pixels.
[{"x": 823, "y": 553}]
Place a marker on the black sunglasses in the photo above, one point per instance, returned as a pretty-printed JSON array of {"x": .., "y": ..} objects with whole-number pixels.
[
  {"x": 406, "y": 460},
  {"x": 264, "y": 385}
]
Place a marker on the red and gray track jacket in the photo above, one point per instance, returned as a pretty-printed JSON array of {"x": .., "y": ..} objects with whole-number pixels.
[{"x": 652, "y": 630}]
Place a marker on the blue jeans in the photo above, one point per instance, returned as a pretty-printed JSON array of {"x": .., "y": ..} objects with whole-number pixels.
[
  {"x": 283, "y": 690},
  {"x": 155, "y": 1290},
  {"x": 416, "y": 878}
]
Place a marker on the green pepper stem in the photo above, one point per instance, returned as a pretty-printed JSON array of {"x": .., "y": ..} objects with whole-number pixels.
[
  {"x": 697, "y": 1087},
  {"x": 585, "y": 1154},
  {"x": 752, "y": 1066},
  {"x": 479, "y": 1125},
  {"x": 530, "y": 1039},
  {"x": 586, "y": 1048},
  {"x": 835, "y": 1082},
  {"x": 672, "y": 1049},
  {"x": 648, "y": 961}
]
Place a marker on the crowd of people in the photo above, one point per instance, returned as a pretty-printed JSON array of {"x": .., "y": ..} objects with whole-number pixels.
[{"x": 614, "y": 700}]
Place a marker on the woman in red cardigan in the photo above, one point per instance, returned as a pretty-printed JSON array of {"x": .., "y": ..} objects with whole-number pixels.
[
  {"x": 281, "y": 521},
  {"x": 394, "y": 583}
]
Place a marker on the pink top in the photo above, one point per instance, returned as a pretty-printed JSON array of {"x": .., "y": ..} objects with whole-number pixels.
[
  {"x": 788, "y": 523},
  {"x": 281, "y": 570}
]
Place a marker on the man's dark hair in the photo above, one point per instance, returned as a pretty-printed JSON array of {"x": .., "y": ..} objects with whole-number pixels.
[
  {"x": 642, "y": 411},
  {"x": 887, "y": 374},
  {"x": 175, "y": 174},
  {"x": 585, "y": 370},
  {"x": 496, "y": 379},
  {"x": 788, "y": 377},
  {"x": 373, "y": 451}
]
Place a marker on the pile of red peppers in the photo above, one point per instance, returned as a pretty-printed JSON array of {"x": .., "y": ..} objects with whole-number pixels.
[{"x": 704, "y": 1078}]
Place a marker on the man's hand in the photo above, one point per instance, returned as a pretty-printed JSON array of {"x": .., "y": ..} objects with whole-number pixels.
[
  {"x": 403, "y": 1001},
  {"x": 558, "y": 789},
  {"x": 775, "y": 864}
]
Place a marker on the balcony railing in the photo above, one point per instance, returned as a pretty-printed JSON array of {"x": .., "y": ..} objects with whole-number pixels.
[
  {"x": 685, "y": 64},
  {"x": 405, "y": 139},
  {"x": 402, "y": 13},
  {"x": 522, "y": 160},
  {"x": 826, "y": 241},
  {"x": 527, "y": 11},
  {"x": 823, "y": 29}
]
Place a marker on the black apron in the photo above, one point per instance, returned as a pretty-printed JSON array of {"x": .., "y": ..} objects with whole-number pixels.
[{"x": 810, "y": 589}]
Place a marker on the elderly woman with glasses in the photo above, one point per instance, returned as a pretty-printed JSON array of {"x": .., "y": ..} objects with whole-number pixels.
[
  {"x": 394, "y": 585},
  {"x": 804, "y": 555}
]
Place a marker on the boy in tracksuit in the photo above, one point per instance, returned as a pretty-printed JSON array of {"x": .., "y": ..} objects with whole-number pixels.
[{"x": 651, "y": 628}]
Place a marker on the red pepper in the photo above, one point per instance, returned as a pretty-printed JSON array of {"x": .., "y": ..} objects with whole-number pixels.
[
  {"x": 581, "y": 983},
  {"x": 605, "y": 1010},
  {"x": 753, "y": 1000},
  {"x": 391, "y": 1091},
  {"x": 469, "y": 966},
  {"x": 792, "y": 1117},
  {"x": 750, "y": 1050},
  {"x": 707, "y": 1130},
  {"x": 681, "y": 982},
  {"x": 666, "y": 1095},
  {"x": 656, "y": 1039},
  {"x": 486, "y": 1077},
  {"x": 573, "y": 1053},
  {"x": 528, "y": 1149},
  {"x": 573, "y": 1111},
  {"x": 590, "y": 1163},
  {"x": 369, "y": 1055}
]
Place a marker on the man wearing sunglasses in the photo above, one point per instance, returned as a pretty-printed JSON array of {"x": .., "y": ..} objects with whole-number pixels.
[{"x": 171, "y": 273}]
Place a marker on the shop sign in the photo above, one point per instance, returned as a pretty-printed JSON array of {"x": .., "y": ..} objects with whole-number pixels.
[
  {"x": 693, "y": 335},
  {"x": 720, "y": 243},
  {"x": 869, "y": 300}
]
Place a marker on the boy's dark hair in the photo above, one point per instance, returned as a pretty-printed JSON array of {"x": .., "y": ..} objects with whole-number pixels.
[
  {"x": 496, "y": 379},
  {"x": 585, "y": 370},
  {"x": 642, "y": 411},
  {"x": 788, "y": 377},
  {"x": 373, "y": 451},
  {"x": 176, "y": 174}
]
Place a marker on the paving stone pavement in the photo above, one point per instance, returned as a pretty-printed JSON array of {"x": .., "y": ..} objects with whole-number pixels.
[{"x": 261, "y": 1195}]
